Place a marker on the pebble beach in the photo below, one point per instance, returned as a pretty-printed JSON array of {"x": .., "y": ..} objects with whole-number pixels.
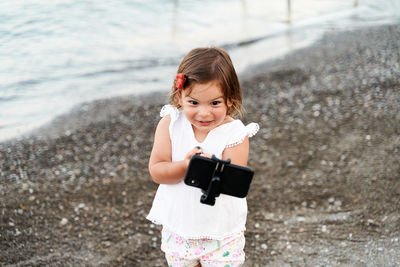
[{"x": 326, "y": 190}]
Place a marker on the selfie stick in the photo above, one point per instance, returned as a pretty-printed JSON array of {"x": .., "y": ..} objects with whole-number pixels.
[{"x": 213, "y": 190}]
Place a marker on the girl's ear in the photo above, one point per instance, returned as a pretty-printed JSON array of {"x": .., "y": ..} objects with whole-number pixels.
[
  {"x": 229, "y": 110},
  {"x": 180, "y": 101},
  {"x": 229, "y": 103}
]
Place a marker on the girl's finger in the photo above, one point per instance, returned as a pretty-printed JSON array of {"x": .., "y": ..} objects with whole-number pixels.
[
  {"x": 199, "y": 151},
  {"x": 205, "y": 155}
]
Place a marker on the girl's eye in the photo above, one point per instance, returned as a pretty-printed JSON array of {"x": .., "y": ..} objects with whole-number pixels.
[
  {"x": 193, "y": 102},
  {"x": 215, "y": 103}
]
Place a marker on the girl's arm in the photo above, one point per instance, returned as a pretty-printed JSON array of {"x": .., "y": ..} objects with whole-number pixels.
[
  {"x": 238, "y": 154},
  {"x": 161, "y": 167}
]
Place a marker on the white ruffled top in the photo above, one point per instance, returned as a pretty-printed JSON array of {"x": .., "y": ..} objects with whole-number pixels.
[{"x": 177, "y": 207}]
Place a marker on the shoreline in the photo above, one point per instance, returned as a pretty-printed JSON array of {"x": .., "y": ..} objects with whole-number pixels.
[
  {"x": 246, "y": 73},
  {"x": 252, "y": 70},
  {"x": 326, "y": 189}
]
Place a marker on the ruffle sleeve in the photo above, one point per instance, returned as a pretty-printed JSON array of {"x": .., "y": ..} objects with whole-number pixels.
[
  {"x": 173, "y": 112},
  {"x": 169, "y": 110},
  {"x": 240, "y": 133}
]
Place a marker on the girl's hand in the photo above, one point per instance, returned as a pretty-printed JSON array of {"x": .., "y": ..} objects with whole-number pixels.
[
  {"x": 205, "y": 155},
  {"x": 195, "y": 151}
]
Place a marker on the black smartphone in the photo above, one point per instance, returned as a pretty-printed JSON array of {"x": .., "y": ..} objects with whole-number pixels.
[{"x": 214, "y": 176}]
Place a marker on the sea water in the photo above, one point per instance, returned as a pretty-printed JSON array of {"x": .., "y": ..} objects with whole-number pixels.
[{"x": 55, "y": 55}]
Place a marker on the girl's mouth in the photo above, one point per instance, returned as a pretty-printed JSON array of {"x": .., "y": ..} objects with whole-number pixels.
[{"x": 205, "y": 123}]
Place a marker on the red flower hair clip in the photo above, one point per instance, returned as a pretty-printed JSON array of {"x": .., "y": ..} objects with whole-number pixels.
[{"x": 180, "y": 81}]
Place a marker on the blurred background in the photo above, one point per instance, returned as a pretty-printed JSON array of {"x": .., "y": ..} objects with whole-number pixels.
[{"x": 57, "y": 54}]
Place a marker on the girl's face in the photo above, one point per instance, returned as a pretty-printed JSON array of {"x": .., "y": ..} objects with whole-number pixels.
[{"x": 204, "y": 107}]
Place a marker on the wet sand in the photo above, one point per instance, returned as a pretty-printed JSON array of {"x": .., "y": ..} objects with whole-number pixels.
[{"x": 327, "y": 160}]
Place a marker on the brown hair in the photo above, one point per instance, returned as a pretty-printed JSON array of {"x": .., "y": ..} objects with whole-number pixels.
[{"x": 203, "y": 65}]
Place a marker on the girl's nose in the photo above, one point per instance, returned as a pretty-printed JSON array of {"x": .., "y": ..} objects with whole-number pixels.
[{"x": 204, "y": 111}]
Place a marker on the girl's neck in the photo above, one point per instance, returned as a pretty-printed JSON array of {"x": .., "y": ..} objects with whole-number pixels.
[{"x": 200, "y": 136}]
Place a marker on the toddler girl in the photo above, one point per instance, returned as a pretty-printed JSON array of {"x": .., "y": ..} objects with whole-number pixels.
[{"x": 205, "y": 99}]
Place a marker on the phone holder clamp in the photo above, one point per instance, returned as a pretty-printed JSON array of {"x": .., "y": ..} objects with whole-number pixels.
[{"x": 213, "y": 189}]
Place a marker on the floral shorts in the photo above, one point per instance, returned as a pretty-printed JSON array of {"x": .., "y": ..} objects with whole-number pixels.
[{"x": 182, "y": 252}]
